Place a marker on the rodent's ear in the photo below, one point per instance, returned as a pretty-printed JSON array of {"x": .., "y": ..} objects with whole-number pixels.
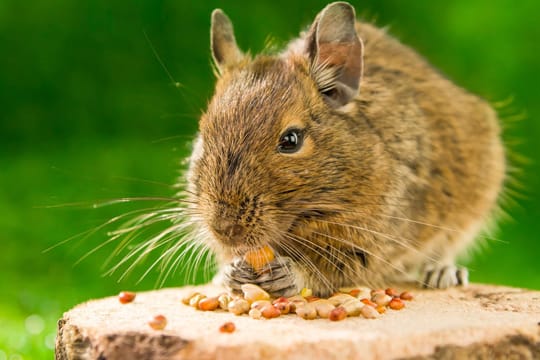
[
  {"x": 225, "y": 51},
  {"x": 336, "y": 53}
]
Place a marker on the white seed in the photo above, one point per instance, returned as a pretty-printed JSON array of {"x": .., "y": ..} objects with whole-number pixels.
[
  {"x": 353, "y": 307},
  {"x": 339, "y": 299},
  {"x": 253, "y": 293},
  {"x": 224, "y": 300},
  {"x": 194, "y": 301},
  {"x": 323, "y": 307},
  {"x": 381, "y": 299},
  {"x": 255, "y": 313},
  {"x": 189, "y": 296},
  {"x": 260, "y": 304},
  {"x": 238, "y": 306},
  {"x": 306, "y": 311},
  {"x": 369, "y": 312}
]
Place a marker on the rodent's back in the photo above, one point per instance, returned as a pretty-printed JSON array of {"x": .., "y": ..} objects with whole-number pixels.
[{"x": 442, "y": 139}]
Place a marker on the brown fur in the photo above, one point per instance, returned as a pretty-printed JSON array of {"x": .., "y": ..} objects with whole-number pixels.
[{"x": 401, "y": 177}]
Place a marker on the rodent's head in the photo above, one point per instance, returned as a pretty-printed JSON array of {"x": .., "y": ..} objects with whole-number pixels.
[{"x": 274, "y": 150}]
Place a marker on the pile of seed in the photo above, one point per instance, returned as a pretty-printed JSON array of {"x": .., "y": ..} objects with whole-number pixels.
[{"x": 258, "y": 304}]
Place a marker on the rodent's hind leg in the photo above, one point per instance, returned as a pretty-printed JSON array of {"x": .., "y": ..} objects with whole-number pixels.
[
  {"x": 279, "y": 277},
  {"x": 443, "y": 277}
]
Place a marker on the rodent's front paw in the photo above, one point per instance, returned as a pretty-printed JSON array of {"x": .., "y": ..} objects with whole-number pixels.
[
  {"x": 445, "y": 277},
  {"x": 278, "y": 277}
]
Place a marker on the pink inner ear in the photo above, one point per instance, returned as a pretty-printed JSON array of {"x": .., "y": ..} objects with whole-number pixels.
[{"x": 347, "y": 56}]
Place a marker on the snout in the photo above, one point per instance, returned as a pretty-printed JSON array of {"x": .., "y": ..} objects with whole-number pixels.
[{"x": 228, "y": 231}]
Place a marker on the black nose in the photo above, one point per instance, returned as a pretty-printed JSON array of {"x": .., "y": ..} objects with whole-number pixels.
[{"x": 229, "y": 231}]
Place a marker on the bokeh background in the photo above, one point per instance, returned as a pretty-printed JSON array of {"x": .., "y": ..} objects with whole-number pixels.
[{"x": 88, "y": 112}]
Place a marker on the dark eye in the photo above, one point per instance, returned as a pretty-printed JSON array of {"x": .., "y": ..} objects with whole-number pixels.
[{"x": 291, "y": 141}]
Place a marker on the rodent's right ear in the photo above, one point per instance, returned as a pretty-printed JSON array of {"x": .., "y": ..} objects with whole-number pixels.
[{"x": 225, "y": 51}]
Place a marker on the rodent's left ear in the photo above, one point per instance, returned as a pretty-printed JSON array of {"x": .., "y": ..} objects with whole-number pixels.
[
  {"x": 225, "y": 51},
  {"x": 336, "y": 53}
]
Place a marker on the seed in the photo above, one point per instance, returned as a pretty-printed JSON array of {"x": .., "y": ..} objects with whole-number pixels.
[
  {"x": 369, "y": 312},
  {"x": 305, "y": 292},
  {"x": 208, "y": 304},
  {"x": 238, "y": 306},
  {"x": 283, "y": 307},
  {"x": 255, "y": 313},
  {"x": 391, "y": 292},
  {"x": 312, "y": 298},
  {"x": 406, "y": 295},
  {"x": 194, "y": 301},
  {"x": 354, "y": 292},
  {"x": 253, "y": 293},
  {"x": 228, "y": 327},
  {"x": 323, "y": 307},
  {"x": 259, "y": 304},
  {"x": 258, "y": 258},
  {"x": 224, "y": 300},
  {"x": 269, "y": 311},
  {"x": 377, "y": 291},
  {"x": 339, "y": 299},
  {"x": 396, "y": 304},
  {"x": 307, "y": 311},
  {"x": 381, "y": 299},
  {"x": 126, "y": 297},
  {"x": 368, "y": 302},
  {"x": 188, "y": 297},
  {"x": 381, "y": 309},
  {"x": 280, "y": 299},
  {"x": 353, "y": 307},
  {"x": 337, "y": 314},
  {"x": 158, "y": 322}
]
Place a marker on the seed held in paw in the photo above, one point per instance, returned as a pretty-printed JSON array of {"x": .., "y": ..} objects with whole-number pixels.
[{"x": 258, "y": 258}]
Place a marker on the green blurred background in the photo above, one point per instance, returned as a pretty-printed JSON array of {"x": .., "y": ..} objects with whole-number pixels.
[{"x": 88, "y": 113}]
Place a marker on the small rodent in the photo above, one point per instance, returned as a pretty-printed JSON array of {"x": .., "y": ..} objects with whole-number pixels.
[{"x": 347, "y": 154}]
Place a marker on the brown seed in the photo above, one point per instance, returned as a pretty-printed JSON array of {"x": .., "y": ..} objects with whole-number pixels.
[
  {"x": 208, "y": 304},
  {"x": 337, "y": 314},
  {"x": 377, "y": 291},
  {"x": 391, "y": 292},
  {"x": 323, "y": 307},
  {"x": 354, "y": 292},
  {"x": 158, "y": 322},
  {"x": 307, "y": 311},
  {"x": 368, "y": 302},
  {"x": 406, "y": 295},
  {"x": 238, "y": 306},
  {"x": 228, "y": 327},
  {"x": 381, "y": 299},
  {"x": 258, "y": 258},
  {"x": 280, "y": 299},
  {"x": 269, "y": 311},
  {"x": 283, "y": 307},
  {"x": 396, "y": 304},
  {"x": 194, "y": 301},
  {"x": 126, "y": 297},
  {"x": 381, "y": 309},
  {"x": 369, "y": 312},
  {"x": 312, "y": 298}
]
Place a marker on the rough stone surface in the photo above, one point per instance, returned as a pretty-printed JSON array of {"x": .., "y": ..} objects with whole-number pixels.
[{"x": 476, "y": 322}]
